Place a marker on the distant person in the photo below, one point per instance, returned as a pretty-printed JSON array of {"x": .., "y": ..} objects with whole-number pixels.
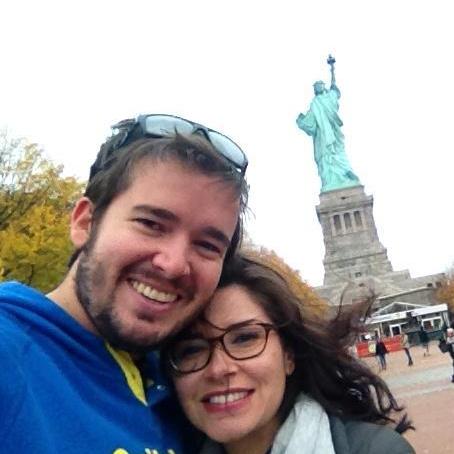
[
  {"x": 405, "y": 344},
  {"x": 380, "y": 352},
  {"x": 450, "y": 342},
  {"x": 424, "y": 339}
]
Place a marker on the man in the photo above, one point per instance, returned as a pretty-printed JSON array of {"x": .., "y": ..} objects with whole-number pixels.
[{"x": 161, "y": 212}]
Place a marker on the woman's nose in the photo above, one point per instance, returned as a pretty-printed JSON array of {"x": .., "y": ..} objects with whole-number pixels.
[{"x": 220, "y": 363}]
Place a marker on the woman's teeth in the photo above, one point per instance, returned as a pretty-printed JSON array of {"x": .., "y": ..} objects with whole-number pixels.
[{"x": 227, "y": 398}]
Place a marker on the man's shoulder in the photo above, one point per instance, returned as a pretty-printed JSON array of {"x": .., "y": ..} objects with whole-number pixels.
[
  {"x": 25, "y": 314},
  {"x": 359, "y": 437},
  {"x": 13, "y": 290},
  {"x": 16, "y": 301}
]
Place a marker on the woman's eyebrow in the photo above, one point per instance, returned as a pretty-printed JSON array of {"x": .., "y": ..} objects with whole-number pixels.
[{"x": 233, "y": 325}]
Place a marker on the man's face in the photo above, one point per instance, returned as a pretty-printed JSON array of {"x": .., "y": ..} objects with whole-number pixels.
[{"x": 156, "y": 255}]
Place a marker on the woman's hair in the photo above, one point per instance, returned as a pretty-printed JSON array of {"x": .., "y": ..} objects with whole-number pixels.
[{"x": 324, "y": 367}]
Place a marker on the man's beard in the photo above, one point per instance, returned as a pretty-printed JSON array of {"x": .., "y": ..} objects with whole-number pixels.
[{"x": 91, "y": 275}]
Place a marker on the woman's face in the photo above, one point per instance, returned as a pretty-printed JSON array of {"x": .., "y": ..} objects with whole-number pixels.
[{"x": 230, "y": 399}]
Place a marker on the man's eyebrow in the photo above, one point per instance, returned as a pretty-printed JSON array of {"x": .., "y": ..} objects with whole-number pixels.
[{"x": 155, "y": 211}]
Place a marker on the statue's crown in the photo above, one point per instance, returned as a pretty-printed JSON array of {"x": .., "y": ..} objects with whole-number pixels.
[{"x": 319, "y": 82}]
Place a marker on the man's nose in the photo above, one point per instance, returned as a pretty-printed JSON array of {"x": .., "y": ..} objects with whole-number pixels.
[{"x": 172, "y": 258}]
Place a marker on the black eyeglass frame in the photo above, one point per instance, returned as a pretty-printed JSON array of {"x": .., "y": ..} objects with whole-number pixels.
[
  {"x": 127, "y": 131},
  {"x": 213, "y": 341}
]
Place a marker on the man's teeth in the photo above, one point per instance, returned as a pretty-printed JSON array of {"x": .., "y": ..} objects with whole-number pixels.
[
  {"x": 152, "y": 293},
  {"x": 227, "y": 398}
]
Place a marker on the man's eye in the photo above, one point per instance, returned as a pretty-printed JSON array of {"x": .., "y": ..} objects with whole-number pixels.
[
  {"x": 209, "y": 247},
  {"x": 149, "y": 224}
]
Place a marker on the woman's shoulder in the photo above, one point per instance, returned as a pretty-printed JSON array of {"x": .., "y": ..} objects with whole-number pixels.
[{"x": 358, "y": 437}]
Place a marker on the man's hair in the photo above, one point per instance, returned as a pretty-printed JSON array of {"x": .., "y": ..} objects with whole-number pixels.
[
  {"x": 324, "y": 366},
  {"x": 193, "y": 151}
]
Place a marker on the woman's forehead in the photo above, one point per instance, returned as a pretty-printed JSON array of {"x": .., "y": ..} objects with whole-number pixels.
[{"x": 234, "y": 304}]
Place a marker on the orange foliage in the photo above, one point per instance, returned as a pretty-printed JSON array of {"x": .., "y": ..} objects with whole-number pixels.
[
  {"x": 446, "y": 292},
  {"x": 299, "y": 287}
]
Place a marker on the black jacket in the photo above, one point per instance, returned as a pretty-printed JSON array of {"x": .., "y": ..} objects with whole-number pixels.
[{"x": 380, "y": 348}]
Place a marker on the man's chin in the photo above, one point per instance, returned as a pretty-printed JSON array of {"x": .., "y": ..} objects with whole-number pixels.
[{"x": 132, "y": 343}]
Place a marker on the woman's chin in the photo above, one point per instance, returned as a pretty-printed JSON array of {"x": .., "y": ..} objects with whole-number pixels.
[{"x": 226, "y": 435}]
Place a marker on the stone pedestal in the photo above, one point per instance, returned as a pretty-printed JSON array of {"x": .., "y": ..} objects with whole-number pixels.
[
  {"x": 352, "y": 246},
  {"x": 356, "y": 263}
]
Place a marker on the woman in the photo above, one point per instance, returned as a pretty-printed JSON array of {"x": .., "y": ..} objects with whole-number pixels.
[{"x": 257, "y": 373}]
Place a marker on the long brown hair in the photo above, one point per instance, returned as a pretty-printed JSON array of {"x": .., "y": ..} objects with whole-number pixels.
[{"x": 324, "y": 367}]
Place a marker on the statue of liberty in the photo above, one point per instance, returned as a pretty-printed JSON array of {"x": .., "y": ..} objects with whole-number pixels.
[{"x": 322, "y": 122}]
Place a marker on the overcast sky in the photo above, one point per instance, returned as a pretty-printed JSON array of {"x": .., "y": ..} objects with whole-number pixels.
[{"x": 71, "y": 69}]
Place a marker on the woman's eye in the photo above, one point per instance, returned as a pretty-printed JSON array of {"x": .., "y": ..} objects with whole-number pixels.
[
  {"x": 245, "y": 337},
  {"x": 190, "y": 350}
]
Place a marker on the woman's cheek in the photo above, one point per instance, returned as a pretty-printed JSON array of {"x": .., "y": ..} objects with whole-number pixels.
[{"x": 186, "y": 387}]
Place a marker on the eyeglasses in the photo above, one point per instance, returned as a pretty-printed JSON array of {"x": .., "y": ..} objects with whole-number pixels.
[
  {"x": 239, "y": 342},
  {"x": 160, "y": 125}
]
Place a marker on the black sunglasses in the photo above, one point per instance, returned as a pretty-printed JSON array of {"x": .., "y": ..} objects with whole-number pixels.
[{"x": 161, "y": 125}]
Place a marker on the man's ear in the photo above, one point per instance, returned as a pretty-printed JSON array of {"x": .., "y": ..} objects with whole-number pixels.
[{"x": 81, "y": 221}]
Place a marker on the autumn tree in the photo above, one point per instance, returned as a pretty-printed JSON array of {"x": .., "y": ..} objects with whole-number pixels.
[
  {"x": 35, "y": 202},
  {"x": 304, "y": 291}
]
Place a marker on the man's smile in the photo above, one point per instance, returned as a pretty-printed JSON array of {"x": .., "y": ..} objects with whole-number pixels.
[{"x": 153, "y": 294}]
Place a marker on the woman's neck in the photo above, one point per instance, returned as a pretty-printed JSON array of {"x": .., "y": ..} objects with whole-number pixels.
[{"x": 256, "y": 442}]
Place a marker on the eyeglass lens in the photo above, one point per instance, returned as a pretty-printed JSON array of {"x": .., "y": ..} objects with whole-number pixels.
[
  {"x": 229, "y": 148},
  {"x": 240, "y": 343},
  {"x": 165, "y": 125}
]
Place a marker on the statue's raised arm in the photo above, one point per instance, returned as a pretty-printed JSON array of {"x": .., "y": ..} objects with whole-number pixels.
[
  {"x": 323, "y": 123},
  {"x": 331, "y": 61}
]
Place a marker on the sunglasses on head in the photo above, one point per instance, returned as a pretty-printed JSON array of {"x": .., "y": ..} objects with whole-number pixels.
[{"x": 161, "y": 125}]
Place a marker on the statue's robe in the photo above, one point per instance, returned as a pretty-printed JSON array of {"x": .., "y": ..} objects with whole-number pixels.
[{"x": 323, "y": 123}]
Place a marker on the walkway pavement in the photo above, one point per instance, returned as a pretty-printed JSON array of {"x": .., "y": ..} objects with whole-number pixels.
[{"x": 425, "y": 389}]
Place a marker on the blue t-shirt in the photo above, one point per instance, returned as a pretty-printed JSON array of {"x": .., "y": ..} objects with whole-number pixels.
[{"x": 64, "y": 390}]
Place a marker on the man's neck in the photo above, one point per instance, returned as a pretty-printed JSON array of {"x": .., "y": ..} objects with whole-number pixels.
[{"x": 65, "y": 297}]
